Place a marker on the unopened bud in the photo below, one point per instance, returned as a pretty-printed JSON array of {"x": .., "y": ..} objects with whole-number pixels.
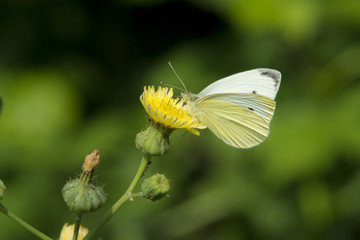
[
  {"x": 82, "y": 194},
  {"x": 67, "y": 232},
  {"x": 155, "y": 187}
]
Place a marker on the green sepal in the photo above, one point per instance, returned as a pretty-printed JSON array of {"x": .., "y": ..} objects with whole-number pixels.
[{"x": 154, "y": 141}]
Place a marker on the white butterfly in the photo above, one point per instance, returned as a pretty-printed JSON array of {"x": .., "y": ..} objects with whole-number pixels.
[{"x": 238, "y": 109}]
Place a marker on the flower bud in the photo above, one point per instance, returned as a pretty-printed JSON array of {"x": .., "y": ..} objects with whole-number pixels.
[
  {"x": 155, "y": 187},
  {"x": 67, "y": 232},
  {"x": 82, "y": 196},
  {"x": 2, "y": 189},
  {"x": 154, "y": 141}
]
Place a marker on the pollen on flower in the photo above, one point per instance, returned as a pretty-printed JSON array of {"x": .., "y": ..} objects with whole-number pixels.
[{"x": 168, "y": 111}]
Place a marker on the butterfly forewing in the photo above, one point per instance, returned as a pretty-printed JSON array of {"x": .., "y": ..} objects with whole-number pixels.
[
  {"x": 261, "y": 81},
  {"x": 235, "y": 125}
]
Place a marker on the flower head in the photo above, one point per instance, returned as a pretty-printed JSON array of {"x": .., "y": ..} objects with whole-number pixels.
[
  {"x": 68, "y": 231},
  {"x": 168, "y": 111}
]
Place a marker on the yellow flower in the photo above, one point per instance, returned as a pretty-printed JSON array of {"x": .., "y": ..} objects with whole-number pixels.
[
  {"x": 168, "y": 111},
  {"x": 68, "y": 231}
]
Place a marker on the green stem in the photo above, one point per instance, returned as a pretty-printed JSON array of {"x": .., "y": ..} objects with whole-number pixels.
[
  {"x": 77, "y": 226},
  {"x": 126, "y": 196},
  {"x": 11, "y": 215}
]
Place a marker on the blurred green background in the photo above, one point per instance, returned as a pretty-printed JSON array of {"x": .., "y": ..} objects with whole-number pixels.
[{"x": 71, "y": 73}]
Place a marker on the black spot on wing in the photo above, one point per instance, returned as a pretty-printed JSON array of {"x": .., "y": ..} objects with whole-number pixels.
[
  {"x": 275, "y": 75},
  {"x": 251, "y": 109},
  {"x": 254, "y": 92}
]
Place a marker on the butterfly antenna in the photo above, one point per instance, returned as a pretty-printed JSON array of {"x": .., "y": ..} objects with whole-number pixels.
[
  {"x": 171, "y": 86},
  {"x": 177, "y": 76}
]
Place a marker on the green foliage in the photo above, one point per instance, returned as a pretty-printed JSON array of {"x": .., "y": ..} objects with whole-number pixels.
[{"x": 71, "y": 75}]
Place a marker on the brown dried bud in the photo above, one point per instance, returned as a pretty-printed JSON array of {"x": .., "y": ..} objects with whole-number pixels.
[{"x": 91, "y": 161}]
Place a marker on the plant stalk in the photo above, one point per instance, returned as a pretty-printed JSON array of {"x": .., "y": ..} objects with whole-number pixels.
[
  {"x": 126, "y": 196},
  {"x": 77, "y": 226},
  {"x": 27, "y": 226}
]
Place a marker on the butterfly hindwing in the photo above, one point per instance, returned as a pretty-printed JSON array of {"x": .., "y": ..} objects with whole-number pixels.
[
  {"x": 235, "y": 125},
  {"x": 260, "y": 105}
]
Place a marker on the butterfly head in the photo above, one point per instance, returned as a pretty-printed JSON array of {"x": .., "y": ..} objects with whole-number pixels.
[{"x": 189, "y": 97}]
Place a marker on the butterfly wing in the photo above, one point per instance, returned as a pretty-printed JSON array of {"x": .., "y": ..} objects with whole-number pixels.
[
  {"x": 237, "y": 126},
  {"x": 261, "y": 105},
  {"x": 261, "y": 81}
]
